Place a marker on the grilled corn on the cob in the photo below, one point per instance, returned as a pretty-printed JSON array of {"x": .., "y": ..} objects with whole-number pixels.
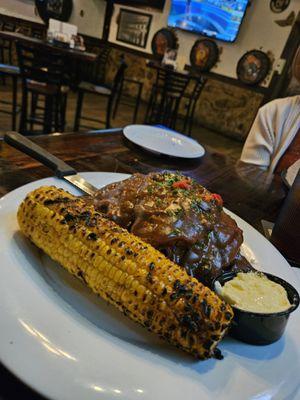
[{"x": 125, "y": 271}]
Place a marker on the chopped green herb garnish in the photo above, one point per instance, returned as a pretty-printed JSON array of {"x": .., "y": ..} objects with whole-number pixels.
[
  {"x": 178, "y": 212},
  {"x": 176, "y": 232}
]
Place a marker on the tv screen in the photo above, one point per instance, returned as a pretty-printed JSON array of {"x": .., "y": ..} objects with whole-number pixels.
[{"x": 219, "y": 19}]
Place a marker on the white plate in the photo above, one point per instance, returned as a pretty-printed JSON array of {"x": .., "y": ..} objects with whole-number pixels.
[
  {"x": 163, "y": 141},
  {"x": 68, "y": 344}
]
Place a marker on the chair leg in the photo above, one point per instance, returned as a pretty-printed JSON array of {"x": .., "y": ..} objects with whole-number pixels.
[
  {"x": 119, "y": 95},
  {"x": 48, "y": 114},
  {"x": 23, "y": 117},
  {"x": 34, "y": 103},
  {"x": 57, "y": 108},
  {"x": 187, "y": 117},
  {"x": 63, "y": 111},
  {"x": 10, "y": 52},
  {"x": 108, "y": 112},
  {"x": 14, "y": 102},
  {"x": 137, "y": 104},
  {"x": 191, "y": 119},
  {"x": 166, "y": 112},
  {"x": 78, "y": 110},
  {"x": 2, "y": 60},
  {"x": 149, "y": 110}
]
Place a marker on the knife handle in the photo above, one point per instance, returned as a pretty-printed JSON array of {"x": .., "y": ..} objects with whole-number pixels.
[{"x": 22, "y": 143}]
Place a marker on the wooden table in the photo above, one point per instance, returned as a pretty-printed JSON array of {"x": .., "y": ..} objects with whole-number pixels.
[
  {"x": 70, "y": 53},
  {"x": 244, "y": 190}
]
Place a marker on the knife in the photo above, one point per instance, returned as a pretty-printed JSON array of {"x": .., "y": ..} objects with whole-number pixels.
[{"x": 60, "y": 168}]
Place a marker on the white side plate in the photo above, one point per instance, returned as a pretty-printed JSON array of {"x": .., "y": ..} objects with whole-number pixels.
[
  {"x": 163, "y": 141},
  {"x": 68, "y": 344}
]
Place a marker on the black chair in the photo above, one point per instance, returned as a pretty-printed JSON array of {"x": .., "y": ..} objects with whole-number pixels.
[
  {"x": 165, "y": 97},
  {"x": 133, "y": 100},
  {"x": 191, "y": 100},
  {"x": 43, "y": 75},
  {"x": 106, "y": 91},
  {"x": 10, "y": 71}
]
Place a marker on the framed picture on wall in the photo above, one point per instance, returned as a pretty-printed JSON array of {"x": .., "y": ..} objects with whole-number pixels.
[{"x": 133, "y": 27}]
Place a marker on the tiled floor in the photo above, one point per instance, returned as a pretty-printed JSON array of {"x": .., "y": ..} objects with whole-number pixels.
[{"x": 94, "y": 107}]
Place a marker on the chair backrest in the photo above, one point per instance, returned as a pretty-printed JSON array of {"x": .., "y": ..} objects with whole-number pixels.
[
  {"x": 175, "y": 84},
  {"x": 173, "y": 90},
  {"x": 167, "y": 92},
  {"x": 119, "y": 76},
  {"x": 94, "y": 72},
  {"x": 8, "y": 26},
  {"x": 160, "y": 78},
  {"x": 41, "y": 65},
  {"x": 100, "y": 65},
  {"x": 199, "y": 85},
  {"x": 6, "y": 46}
]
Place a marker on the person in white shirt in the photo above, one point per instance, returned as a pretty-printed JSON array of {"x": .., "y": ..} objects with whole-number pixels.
[
  {"x": 274, "y": 138},
  {"x": 275, "y": 128}
]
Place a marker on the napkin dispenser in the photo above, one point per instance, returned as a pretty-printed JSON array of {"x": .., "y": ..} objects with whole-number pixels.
[{"x": 61, "y": 32}]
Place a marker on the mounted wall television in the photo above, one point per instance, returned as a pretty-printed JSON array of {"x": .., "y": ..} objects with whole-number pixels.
[
  {"x": 146, "y": 3},
  {"x": 218, "y": 19}
]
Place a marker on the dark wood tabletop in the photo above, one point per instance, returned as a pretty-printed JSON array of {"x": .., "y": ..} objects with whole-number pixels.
[
  {"x": 247, "y": 191},
  {"x": 66, "y": 51}
]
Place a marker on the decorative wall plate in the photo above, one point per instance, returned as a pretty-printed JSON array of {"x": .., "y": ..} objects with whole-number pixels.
[
  {"x": 57, "y": 9},
  {"x": 278, "y": 6},
  {"x": 162, "y": 40},
  {"x": 253, "y": 67},
  {"x": 204, "y": 55}
]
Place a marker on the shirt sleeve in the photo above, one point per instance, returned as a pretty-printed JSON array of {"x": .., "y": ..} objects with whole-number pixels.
[{"x": 259, "y": 145}]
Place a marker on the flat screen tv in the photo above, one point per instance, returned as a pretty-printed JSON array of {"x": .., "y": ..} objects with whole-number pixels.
[{"x": 219, "y": 19}]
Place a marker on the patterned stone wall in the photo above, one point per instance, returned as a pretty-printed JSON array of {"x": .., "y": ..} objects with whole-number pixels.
[
  {"x": 224, "y": 108},
  {"x": 227, "y": 109}
]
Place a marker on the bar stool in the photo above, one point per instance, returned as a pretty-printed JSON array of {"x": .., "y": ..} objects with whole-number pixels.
[
  {"x": 43, "y": 74},
  {"x": 109, "y": 92}
]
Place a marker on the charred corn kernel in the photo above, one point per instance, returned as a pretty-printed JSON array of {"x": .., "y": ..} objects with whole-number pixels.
[{"x": 125, "y": 271}]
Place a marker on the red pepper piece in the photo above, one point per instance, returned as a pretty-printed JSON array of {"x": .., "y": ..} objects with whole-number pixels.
[
  {"x": 217, "y": 198},
  {"x": 183, "y": 184}
]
